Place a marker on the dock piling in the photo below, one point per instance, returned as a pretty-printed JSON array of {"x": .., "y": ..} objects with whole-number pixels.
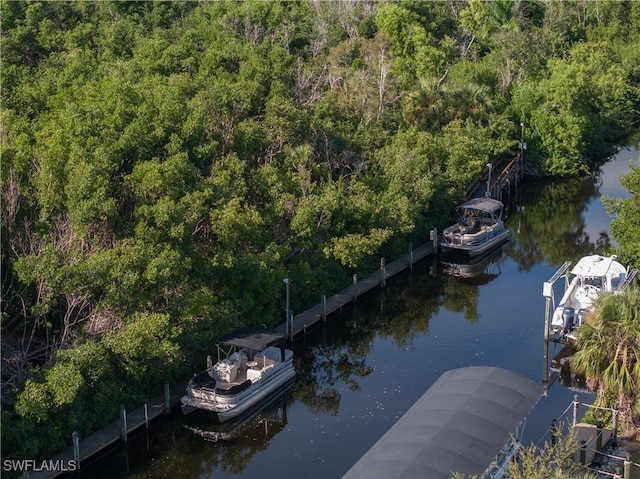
[
  {"x": 76, "y": 448},
  {"x": 599, "y": 439},
  {"x": 355, "y": 287},
  {"x": 286, "y": 313},
  {"x": 383, "y": 273},
  {"x": 323, "y": 301},
  {"x": 123, "y": 423},
  {"x": 410, "y": 255},
  {"x": 614, "y": 424},
  {"x": 167, "y": 398}
]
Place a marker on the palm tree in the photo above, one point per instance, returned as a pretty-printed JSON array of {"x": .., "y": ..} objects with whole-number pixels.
[{"x": 608, "y": 352}]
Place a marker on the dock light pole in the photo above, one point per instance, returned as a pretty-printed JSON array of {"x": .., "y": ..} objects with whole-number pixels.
[
  {"x": 488, "y": 192},
  {"x": 286, "y": 282}
]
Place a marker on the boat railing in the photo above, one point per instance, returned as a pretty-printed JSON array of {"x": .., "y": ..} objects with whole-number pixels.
[{"x": 629, "y": 279}]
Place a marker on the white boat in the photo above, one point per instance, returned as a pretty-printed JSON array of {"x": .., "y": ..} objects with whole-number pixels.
[
  {"x": 255, "y": 366},
  {"x": 590, "y": 277},
  {"x": 479, "y": 228}
]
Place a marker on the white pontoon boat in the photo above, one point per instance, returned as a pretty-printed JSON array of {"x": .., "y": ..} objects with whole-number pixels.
[
  {"x": 252, "y": 370},
  {"x": 479, "y": 228}
]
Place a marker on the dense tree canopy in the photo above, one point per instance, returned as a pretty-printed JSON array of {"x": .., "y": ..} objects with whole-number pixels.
[{"x": 166, "y": 164}]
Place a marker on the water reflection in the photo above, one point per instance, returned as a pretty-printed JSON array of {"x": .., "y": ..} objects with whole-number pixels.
[
  {"x": 257, "y": 426},
  {"x": 477, "y": 270},
  {"x": 551, "y": 226},
  {"x": 561, "y": 366},
  {"x": 325, "y": 362}
]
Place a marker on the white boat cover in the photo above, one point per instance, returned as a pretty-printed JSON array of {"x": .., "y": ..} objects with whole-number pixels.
[
  {"x": 594, "y": 265},
  {"x": 459, "y": 425}
]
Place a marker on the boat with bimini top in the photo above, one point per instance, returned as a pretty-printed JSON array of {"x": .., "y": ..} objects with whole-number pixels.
[
  {"x": 479, "y": 228},
  {"x": 252, "y": 365}
]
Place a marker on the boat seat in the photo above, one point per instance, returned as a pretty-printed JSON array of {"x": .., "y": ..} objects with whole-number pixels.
[
  {"x": 226, "y": 370},
  {"x": 268, "y": 357},
  {"x": 263, "y": 361},
  {"x": 241, "y": 358}
]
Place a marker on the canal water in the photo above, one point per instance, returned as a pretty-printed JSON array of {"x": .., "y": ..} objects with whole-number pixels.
[{"x": 360, "y": 371}]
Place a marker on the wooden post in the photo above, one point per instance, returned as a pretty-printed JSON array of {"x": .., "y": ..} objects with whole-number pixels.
[
  {"x": 627, "y": 469},
  {"x": 167, "y": 398},
  {"x": 523, "y": 146},
  {"x": 583, "y": 452},
  {"x": 554, "y": 432},
  {"x": 355, "y": 288},
  {"x": 146, "y": 415},
  {"x": 286, "y": 313},
  {"x": 76, "y": 448},
  {"x": 410, "y": 255},
  {"x": 324, "y": 307},
  {"x": 599, "y": 437},
  {"x": 209, "y": 362},
  {"x": 123, "y": 423},
  {"x": 291, "y": 327},
  {"x": 383, "y": 272},
  {"x": 614, "y": 424},
  {"x": 576, "y": 408}
]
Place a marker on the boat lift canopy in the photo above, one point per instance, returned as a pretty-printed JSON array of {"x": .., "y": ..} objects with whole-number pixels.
[{"x": 459, "y": 425}]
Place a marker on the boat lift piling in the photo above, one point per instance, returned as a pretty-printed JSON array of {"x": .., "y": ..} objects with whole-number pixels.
[{"x": 547, "y": 292}]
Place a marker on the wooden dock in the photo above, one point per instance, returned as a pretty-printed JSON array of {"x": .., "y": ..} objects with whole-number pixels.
[
  {"x": 339, "y": 300},
  {"x": 97, "y": 442},
  {"x": 499, "y": 177}
]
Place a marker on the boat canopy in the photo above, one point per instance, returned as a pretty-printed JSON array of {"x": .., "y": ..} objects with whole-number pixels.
[
  {"x": 459, "y": 425},
  {"x": 594, "y": 265},
  {"x": 255, "y": 338},
  {"x": 488, "y": 205}
]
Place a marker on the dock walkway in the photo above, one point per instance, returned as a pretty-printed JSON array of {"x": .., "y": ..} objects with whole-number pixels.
[
  {"x": 339, "y": 300},
  {"x": 100, "y": 440},
  {"x": 97, "y": 442}
]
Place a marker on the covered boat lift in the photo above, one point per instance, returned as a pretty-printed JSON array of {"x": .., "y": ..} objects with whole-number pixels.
[{"x": 461, "y": 424}]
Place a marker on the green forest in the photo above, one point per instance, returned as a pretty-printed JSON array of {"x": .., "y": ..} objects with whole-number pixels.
[{"x": 166, "y": 164}]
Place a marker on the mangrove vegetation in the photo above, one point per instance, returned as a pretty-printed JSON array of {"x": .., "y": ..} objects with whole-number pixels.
[{"x": 166, "y": 164}]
